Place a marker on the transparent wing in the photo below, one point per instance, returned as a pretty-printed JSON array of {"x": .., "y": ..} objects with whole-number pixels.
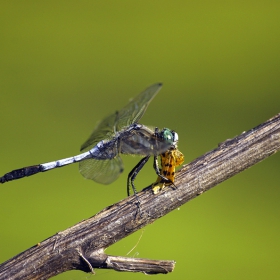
[
  {"x": 104, "y": 130},
  {"x": 131, "y": 113},
  {"x": 101, "y": 171},
  {"x": 135, "y": 109}
]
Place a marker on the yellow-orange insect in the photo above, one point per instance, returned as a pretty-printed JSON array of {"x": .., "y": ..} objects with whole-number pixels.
[{"x": 169, "y": 161}]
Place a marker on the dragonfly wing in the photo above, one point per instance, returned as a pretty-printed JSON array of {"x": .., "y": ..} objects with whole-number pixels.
[
  {"x": 104, "y": 130},
  {"x": 135, "y": 109},
  {"x": 131, "y": 113},
  {"x": 101, "y": 171}
]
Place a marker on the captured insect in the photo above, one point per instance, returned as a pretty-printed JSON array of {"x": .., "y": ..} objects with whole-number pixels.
[
  {"x": 119, "y": 133},
  {"x": 170, "y": 159}
]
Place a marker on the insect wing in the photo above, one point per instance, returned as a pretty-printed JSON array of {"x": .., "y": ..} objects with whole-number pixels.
[
  {"x": 178, "y": 157},
  {"x": 135, "y": 109},
  {"x": 104, "y": 130},
  {"x": 101, "y": 171},
  {"x": 131, "y": 113}
]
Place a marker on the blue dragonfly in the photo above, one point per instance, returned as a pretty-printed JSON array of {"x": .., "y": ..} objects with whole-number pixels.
[{"x": 119, "y": 133}]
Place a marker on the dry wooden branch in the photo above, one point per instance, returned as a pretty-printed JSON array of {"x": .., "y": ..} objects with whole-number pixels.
[{"x": 82, "y": 246}]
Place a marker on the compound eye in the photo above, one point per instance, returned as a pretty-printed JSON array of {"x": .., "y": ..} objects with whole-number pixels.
[{"x": 168, "y": 135}]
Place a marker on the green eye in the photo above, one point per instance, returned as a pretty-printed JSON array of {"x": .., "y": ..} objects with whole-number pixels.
[{"x": 169, "y": 136}]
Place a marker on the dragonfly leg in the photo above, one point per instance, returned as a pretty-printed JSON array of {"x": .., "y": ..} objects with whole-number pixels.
[{"x": 133, "y": 173}]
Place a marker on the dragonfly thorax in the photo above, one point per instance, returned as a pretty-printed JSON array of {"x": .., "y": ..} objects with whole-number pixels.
[{"x": 141, "y": 140}]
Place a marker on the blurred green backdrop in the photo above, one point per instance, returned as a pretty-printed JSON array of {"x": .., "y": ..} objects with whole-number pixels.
[{"x": 67, "y": 64}]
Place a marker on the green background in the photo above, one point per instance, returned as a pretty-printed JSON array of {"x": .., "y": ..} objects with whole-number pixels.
[{"x": 67, "y": 64}]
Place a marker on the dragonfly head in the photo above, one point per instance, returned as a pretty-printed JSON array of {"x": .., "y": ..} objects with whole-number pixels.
[{"x": 170, "y": 136}]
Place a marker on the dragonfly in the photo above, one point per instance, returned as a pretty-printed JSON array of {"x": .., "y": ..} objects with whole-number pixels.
[
  {"x": 119, "y": 133},
  {"x": 170, "y": 159}
]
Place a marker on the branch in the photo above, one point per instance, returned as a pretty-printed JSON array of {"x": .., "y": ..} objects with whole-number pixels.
[{"x": 82, "y": 246}]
